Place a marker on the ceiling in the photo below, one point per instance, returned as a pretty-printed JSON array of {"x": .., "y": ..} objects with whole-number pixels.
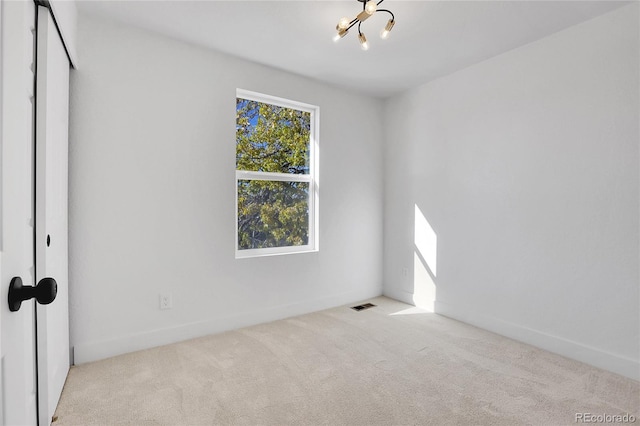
[{"x": 430, "y": 39}]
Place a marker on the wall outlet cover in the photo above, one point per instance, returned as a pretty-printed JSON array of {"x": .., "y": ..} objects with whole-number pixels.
[{"x": 166, "y": 301}]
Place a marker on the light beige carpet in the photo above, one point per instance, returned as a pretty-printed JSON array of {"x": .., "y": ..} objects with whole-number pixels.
[{"x": 341, "y": 367}]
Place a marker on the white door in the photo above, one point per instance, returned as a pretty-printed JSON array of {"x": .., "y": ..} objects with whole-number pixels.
[
  {"x": 52, "y": 136},
  {"x": 17, "y": 368}
]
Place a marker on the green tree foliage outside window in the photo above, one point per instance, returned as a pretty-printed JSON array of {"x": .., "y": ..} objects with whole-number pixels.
[{"x": 274, "y": 211}]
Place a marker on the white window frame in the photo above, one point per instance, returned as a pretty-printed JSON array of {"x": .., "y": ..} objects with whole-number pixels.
[{"x": 311, "y": 178}]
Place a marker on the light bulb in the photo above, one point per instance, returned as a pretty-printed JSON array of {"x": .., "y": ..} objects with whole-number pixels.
[
  {"x": 343, "y": 23},
  {"x": 363, "y": 42},
  {"x": 341, "y": 33},
  {"x": 371, "y": 7},
  {"x": 385, "y": 32}
]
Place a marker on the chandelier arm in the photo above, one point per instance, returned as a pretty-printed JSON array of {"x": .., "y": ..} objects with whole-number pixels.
[
  {"x": 388, "y": 11},
  {"x": 359, "y": 32},
  {"x": 355, "y": 21},
  {"x": 379, "y": 2}
]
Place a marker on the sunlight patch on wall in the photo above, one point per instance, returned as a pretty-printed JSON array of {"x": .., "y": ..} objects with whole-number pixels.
[
  {"x": 424, "y": 262},
  {"x": 424, "y": 289},
  {"x": 426, "y": 240}
]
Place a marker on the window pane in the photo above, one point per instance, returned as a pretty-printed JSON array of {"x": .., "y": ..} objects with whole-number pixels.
[
  {"x": 272, "y": 214},
  {"x": 271, "y": 138}
]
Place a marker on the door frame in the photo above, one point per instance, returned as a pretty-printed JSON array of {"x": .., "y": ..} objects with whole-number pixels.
[
  {"x": 19, "y": 389},
  {"x": 1, "y": 202}
]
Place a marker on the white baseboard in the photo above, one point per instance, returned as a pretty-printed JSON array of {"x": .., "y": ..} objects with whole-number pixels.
[
  {"x": 94, "y": 351},
  {"x": 589, "y": 355}
]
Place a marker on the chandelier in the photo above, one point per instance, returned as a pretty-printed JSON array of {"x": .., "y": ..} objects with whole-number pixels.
[{"x": 368, "y": 9}]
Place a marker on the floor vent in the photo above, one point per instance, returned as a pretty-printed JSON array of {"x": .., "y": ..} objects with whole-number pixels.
[{"x": 363, "y": 307}]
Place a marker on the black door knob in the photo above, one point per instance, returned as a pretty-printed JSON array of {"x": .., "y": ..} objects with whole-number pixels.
[{"x": 44, "y": 292}]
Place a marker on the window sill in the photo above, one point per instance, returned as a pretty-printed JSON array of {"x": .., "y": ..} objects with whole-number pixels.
[{"x": 252, "y": 254}]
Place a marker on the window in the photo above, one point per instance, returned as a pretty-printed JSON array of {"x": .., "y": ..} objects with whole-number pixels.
[{"x": 276, "y": 175}]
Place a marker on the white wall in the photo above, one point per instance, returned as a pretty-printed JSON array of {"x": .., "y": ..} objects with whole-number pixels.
[
  {"x": 526, "y": 168},
  {"x": 152, "y": 160}
]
